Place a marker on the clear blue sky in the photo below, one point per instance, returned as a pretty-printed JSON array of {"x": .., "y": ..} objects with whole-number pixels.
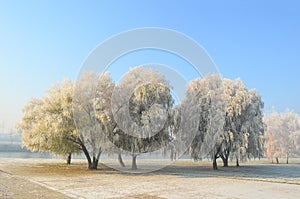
[{"x": 42, "y": 42}]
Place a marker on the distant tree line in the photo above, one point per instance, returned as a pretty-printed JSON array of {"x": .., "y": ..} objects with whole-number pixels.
[{"x": 282, "y": 134}]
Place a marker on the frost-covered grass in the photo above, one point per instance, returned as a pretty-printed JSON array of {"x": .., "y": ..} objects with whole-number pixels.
[{"x": 183, "y": 179}]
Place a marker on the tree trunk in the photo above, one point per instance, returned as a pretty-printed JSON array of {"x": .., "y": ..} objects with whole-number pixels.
[
  {"x": 237, "y": 162},
  {"x": 277, "y": 160},
  {"x": 225, "y": 156},
  {"x": 215, "y": 166},
  {"x": 287, "y": 159},
  {"x": 133, "y": 166},
  {"x": 172, "y": 154},
  {"x": 69, "y": 157},
  {"x": 120, "y": 160},
  {"x": 94, "y": 164},
  {"x": 91, "y": 164},
  {"x": 87, "y": 155},
  {"x": 225, "y": 160}
]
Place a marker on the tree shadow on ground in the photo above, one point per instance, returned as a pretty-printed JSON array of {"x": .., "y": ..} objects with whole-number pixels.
[
  {"x": 248, "y": 171},
  {"x": 282, "y": 172}
]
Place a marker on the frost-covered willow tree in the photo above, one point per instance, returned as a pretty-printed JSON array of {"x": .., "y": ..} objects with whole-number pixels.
[
  {"x": 67, "y": 121},
  {"x": 92, "y": 114},
  {"x": 254, "y": 142},
  {"x": 226, "y": 117},
  {"x": 204, "y": 105},
  {"x": 243, "y": 130},
  {"x": 142, "y": 107},
  {"x": 47, "y": 124},
  {"x": 282, "y": 134}
]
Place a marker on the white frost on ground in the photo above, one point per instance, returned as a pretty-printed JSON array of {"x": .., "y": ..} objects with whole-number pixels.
[{"x": 182, "y": 180}]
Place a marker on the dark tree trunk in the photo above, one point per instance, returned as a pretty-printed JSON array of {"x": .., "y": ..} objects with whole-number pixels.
[
  {"x": 277, "y": 160},
  {"x": 120, "y": 160},
  {"x": 172, "y": 154},
  {"x": 69, "y": 157},
  {"x": 94, "y": 164},
  {"x": 91, "y": 164},
  {"x": 215, "y": 166},
  {"x": 133, "y": 166},
  {"x": 237, "y": 162},
  {"x": 225, "y": 156},
  {"x": 87, "y": 155},
  {"x": 287, "y": 159},
  {"x": 225, "y": 160}
]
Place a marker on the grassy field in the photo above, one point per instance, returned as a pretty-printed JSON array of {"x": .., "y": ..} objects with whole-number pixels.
[{"x": 52, "y": 178}]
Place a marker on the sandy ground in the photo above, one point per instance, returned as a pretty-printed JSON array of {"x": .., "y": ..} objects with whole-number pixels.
[{"x": 51, "y": 178}]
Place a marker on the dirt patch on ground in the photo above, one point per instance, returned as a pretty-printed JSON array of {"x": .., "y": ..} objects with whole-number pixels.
[{"x": 52, "y": 178}]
